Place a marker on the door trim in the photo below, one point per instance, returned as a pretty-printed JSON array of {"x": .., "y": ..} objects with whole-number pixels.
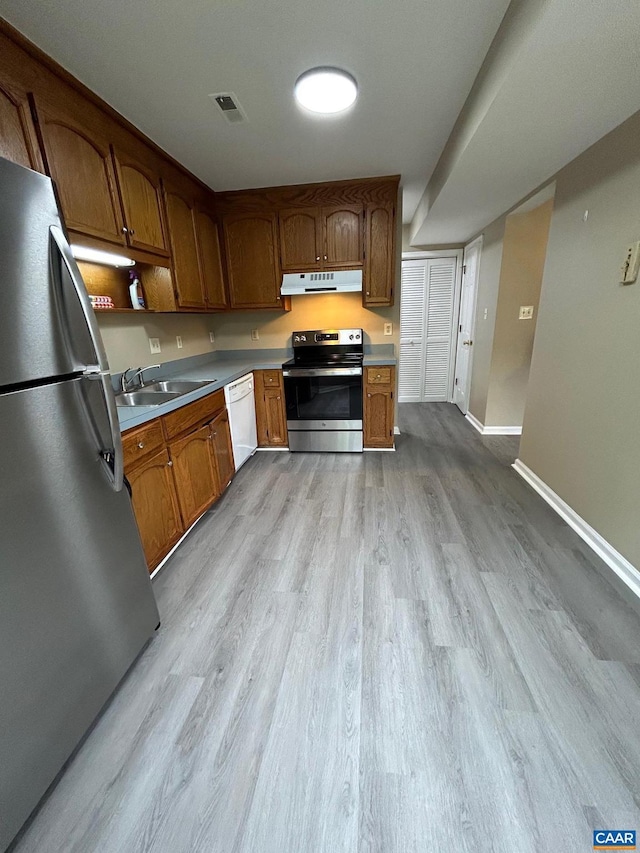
[{"x": 478, "y": 241}]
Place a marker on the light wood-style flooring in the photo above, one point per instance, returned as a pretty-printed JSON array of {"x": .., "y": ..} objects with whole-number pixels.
[{"x": 391, "y": 652}]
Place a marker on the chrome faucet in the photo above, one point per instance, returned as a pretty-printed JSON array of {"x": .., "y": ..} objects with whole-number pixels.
[{"x": 127, "y": 384}]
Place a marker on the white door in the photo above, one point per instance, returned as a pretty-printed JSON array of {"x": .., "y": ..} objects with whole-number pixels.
[
  {"x": 427, "y": 317},
  {"x": 466, "y": 327}
]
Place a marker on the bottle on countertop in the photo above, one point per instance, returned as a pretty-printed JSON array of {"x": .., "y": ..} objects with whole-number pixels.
[{"x": 135, "y": 291}]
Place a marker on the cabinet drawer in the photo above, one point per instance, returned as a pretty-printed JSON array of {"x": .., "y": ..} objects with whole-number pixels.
[
  {"x": 138, "y": 443},
  {"x": 378, "y": 376},
  {"x": 194, "y": 413},
  {"x": 272, "y": 378}
]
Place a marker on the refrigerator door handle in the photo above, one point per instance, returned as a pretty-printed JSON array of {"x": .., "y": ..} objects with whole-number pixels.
[
  {"x": 114, "y": 459},
  {"x": 113, "y": 456},
  {"x": 85, "y": 303}
]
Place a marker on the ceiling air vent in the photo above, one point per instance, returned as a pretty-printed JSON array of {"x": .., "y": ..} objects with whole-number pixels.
[{"x": 229, "y": 107}]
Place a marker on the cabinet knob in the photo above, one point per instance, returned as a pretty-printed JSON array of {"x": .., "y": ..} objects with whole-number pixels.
[
  {"x": 318, "y": 258},
  {"x": 141, "y": 444},
  {"x": 368, "y": 395},
  {"x": 377, "y": 376},
  {"x": 131, "y": 231},
  {"x": 278, "y": 397},
  {"x": 215, "y": 433},
  {"x": 325, "y": 257},
  {"x": 125, "y": 230},
  {"x": 170, "y": 464},
  {"x": 368, "y": 294}
]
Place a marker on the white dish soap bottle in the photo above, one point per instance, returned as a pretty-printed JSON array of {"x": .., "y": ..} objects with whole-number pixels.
[{"x": 135, "y": 291}]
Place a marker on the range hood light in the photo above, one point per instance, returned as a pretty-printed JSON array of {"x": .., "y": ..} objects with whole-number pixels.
[
  {"x": 97, "y": 256},
  {"x": 326, "y": 90}
]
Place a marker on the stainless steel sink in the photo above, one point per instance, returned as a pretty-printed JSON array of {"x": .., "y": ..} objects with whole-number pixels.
[
  {"x": 145, "y": 398},
  {"x": 177, "y": 386}
]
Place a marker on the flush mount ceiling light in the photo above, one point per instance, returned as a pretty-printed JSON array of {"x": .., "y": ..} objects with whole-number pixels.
[
  {"x": 84, "y": 253},
  {"x": 326, "y": 90}
]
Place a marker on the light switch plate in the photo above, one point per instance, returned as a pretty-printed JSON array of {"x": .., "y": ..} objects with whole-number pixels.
[
  {"x": 179, "y": 341},
  {"x": 388, "y": 328},
  {"x": 154, "y": 345},
  {"x": 629, "y": 271},
  {"x": 255, "y": 336},
  {"x": 212, "y": 337},
  {"x": 526, "y": 312}
]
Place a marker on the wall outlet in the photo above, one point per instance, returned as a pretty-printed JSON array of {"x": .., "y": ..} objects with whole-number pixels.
[
  {"x": 212, "y": 337},
  {"x": 154, "y": 345},
  {"x": 526, "y": 312},
  {"x": 485, "y": 316},
  {"x": 255, "y": 336},
  {"x": 388, "y": 328},
  {"x": 179, "y": 341}
]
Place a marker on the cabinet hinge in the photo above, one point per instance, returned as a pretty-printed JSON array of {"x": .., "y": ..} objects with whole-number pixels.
[
  {"x": 392, "y": 395},
  {"x": 464, "y": 269}
]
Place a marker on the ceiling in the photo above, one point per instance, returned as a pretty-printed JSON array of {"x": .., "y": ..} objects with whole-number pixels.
[
  {"x": 570, "y": 75},
  {"x": 156, "y": 62}
]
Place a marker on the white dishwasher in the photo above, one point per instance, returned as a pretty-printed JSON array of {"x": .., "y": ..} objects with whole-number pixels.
[{"x": 241, "y": 406}]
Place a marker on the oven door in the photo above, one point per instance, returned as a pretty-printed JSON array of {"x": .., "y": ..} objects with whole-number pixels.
[{"x": 327, "y": 398}]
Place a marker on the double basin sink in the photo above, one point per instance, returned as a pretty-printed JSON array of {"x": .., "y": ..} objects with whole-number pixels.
[{"x": 156, "y": 393}]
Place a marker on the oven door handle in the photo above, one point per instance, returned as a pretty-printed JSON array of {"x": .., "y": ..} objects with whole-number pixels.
[{"x": 322, "y": 371}]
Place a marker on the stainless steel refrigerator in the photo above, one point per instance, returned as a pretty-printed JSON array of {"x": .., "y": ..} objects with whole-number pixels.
[{"x": 76, "y": 604}]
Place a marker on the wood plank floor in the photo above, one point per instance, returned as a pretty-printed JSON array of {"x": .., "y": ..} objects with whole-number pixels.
[{"x": 381, "y": 652}]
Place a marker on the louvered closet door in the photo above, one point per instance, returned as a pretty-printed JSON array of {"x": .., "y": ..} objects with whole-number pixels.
[
  {"x": 412, "y": 316},
  {"x": 427, "y": 304}
]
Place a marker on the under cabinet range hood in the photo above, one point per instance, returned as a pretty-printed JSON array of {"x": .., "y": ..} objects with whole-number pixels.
[{"x": 331, "y": 281}]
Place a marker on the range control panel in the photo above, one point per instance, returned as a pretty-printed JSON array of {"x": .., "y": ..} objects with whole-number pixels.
[{"x": 328, "y": 337}]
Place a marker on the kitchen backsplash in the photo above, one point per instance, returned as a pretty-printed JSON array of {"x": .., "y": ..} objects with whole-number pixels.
[{"x": 126, "y": 336}]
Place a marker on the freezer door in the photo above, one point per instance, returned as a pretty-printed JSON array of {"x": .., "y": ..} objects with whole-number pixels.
[
  {"x": 45, "y": 333},
  {"x": 76, "y": 604}
]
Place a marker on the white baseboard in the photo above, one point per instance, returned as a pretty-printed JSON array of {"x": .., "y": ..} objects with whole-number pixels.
[
  {"x": 492, "y": 430},
  {"x": 379, "y": 449},
  {"x": 270, "y": 449},
  {"x": 625, "y": 570}
]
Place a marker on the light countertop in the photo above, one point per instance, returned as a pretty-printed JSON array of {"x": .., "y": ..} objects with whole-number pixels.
[{"x": 219, "y": 369}]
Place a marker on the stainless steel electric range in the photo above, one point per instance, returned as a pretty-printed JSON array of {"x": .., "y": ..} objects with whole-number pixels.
[{"x": 323, "y": 391}]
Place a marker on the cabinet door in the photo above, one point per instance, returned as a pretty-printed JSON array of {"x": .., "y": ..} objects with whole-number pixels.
[
  {"x": 378, "y": 415},
  {"x": 18, "y": 141},
  {"x": 254, "y": 272},
  {"x": 222, "y": 449},
  {"x": 81, "y": 166},
  {"x": 155, "y": 506},
  {"x": 380, "y": 256},
  {"x": 184, "y": 252},
  {"x": 194, "y": 472},
  {"x": 275, "y": 417},
  {"x": 343, "y": 236},
  {"x": 210, "y": 261},
  {"x": 142, "y": 205},
  {"x": 300, "y": 239}
]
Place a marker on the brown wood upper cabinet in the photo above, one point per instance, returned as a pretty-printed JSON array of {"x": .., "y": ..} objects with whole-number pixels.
[
  {"x": 252, "y": 263},
  {"x": 18, "y": 141},
  {"x": 215, "y": 291},
  {"x": 184, "y": 250},
  {"x": 301, "y": 239},
  {"x": 321, "y": 238},
  {"x": 379, "y": 271},
  {"x": 141, "y": 196},
  {"x": 80, "y": 163}
]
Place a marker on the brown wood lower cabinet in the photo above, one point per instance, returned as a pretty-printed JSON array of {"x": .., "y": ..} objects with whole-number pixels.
[
  {"x": 379, "y": 408},
  {"x": 222, "y": 450},
  {"x": 271, "y": 414},
  {"x": 177, "y": 466},
  {"x": 153, "y": 494},
  {"x": 195, "y": 474}
]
